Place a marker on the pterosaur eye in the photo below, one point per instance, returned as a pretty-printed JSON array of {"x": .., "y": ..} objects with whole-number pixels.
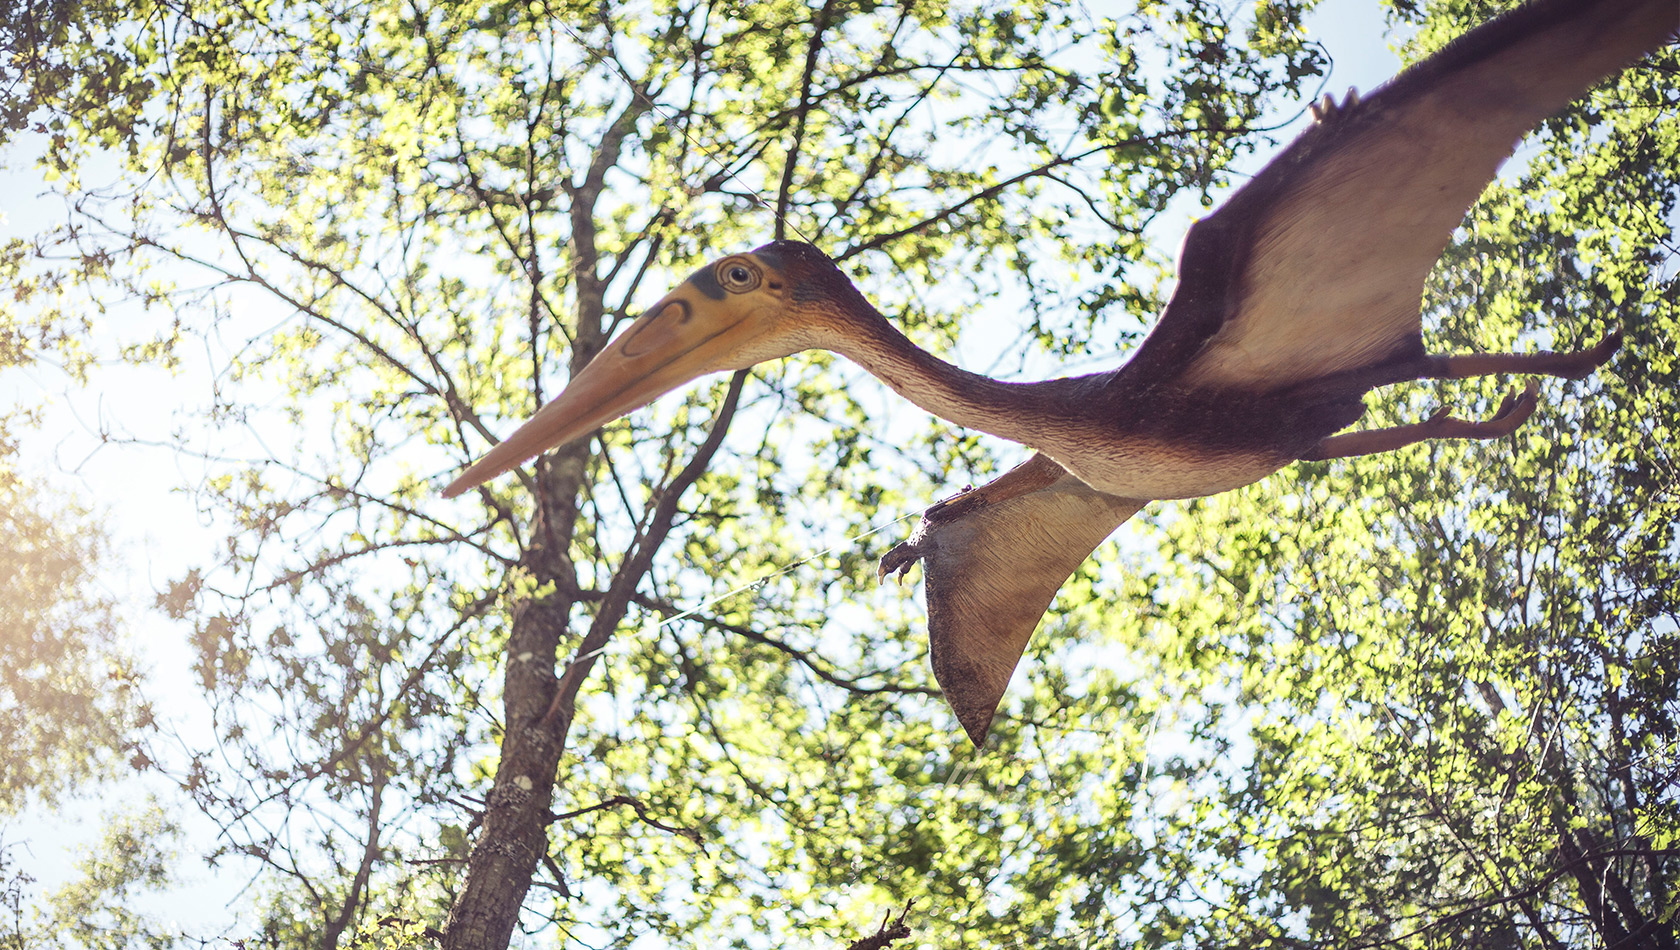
[{"x": 737, "y": 276}]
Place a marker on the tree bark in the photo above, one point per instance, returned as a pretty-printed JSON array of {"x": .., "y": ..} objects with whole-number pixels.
[{"x": 513, "y": 835}]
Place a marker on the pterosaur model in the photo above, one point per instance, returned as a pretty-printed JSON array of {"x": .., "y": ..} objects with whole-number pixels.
[{"x": 1294, "y": 299}]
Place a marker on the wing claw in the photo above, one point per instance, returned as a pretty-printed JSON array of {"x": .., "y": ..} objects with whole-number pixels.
[
  {"x": 897, "y": 562},
  {"x": 1327, "y": 109}
]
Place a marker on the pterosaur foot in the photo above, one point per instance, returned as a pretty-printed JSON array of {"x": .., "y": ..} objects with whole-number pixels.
[
  {"x": 1590, "y": 359},
  {"x": 1576, "y": 365},
  {"x": 1513, "y": 411},
  {"x": 1515, "y": 406}
]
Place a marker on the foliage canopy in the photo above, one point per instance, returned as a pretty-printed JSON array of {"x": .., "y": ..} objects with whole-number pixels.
[{"x": 1426, "y": 699}]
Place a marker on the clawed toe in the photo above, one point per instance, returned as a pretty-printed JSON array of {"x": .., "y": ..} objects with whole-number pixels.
[
  {"x": 897, "y": 562},
  {"x": 1513, "y": 411},
  {"x": 1327, "y": 108},
  {"x": 1581, "y": 363},
  {"x": 1523, "y": 402},
  {"x": 1598, "y": 355},
  {"x": 1611, "y": 343}
]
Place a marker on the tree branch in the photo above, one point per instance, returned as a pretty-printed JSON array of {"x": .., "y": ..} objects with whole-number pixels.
[
  {"x": 558, "y": 719},
  {"x": 641, "y": 813},
  {"x": 814, "y": 46}
]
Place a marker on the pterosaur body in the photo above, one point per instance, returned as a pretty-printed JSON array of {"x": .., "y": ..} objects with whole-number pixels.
[{"x": 1295, "y": 298}]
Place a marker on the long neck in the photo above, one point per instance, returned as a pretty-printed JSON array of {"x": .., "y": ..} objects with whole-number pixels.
[{"x": 1009, "y": 410}]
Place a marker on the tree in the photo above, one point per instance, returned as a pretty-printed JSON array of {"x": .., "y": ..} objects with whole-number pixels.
[
  {"x": 69, "y": 708},
  {"x": 438, "y": 199},
  {"x": 619, "y": 694},
  {"x": 70, "y": 711},
  {"x": 1463, "y": 686}
]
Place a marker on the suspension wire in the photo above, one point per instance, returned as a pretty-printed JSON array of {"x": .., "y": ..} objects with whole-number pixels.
[{"x": 760, "y": 582}]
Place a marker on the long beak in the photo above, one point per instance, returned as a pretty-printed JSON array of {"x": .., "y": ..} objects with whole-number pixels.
[{"x": 685, "y": 336}]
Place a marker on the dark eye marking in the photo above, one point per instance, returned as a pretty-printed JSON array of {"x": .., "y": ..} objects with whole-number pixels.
[{"x": 705, "y": 280}]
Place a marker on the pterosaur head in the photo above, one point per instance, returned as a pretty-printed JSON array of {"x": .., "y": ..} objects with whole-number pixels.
[{"x": 730, "y": 314}]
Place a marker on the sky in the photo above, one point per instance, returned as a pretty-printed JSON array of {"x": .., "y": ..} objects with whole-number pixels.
[{"x": 158, "y": 535}]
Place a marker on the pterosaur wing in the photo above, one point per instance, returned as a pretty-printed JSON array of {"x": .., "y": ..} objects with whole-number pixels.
[
  {"x": 992, "y": 567},
  {"x": 1316, "y": 266}
]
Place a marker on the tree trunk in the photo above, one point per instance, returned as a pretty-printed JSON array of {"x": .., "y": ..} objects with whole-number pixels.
[{"x": 514, "y": 834}]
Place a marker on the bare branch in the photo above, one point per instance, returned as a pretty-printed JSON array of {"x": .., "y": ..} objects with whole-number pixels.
[{"x": 641, "y": 813}]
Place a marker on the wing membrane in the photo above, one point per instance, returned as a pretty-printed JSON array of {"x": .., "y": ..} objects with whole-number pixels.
[{"x": 992, "y": 568}]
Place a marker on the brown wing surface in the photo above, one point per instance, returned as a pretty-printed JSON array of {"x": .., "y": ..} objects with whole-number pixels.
[
  {"x": 992, "y": 568},
  {"x": 1317, "y": 265}
]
